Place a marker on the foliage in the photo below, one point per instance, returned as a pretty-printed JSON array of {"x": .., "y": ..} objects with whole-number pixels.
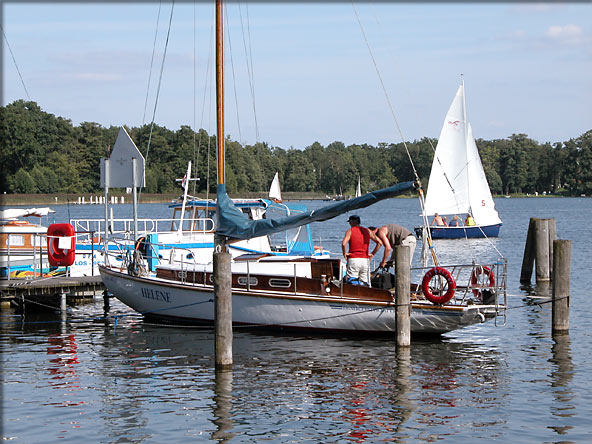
[{"x": 42, "y": 153}]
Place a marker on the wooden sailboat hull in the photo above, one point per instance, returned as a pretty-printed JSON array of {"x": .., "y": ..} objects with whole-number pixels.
[
  {"x": 268, "y": 308},
  {"x": 473, "y": 232}
]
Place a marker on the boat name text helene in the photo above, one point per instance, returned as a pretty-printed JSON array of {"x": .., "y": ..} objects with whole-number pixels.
[{"x": 163, "y": 296}]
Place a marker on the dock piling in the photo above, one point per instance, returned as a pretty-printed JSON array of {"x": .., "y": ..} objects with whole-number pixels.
[
  {"x": 561, "y": 284},
  {"x": 539, "y": 250},
  {"x": 542, "y": 260},
  {"x": 223, "y": 309},
  {"x": 402, "y": 295}
]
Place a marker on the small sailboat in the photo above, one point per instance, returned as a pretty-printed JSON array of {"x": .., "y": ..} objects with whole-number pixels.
[
  {"x": 275, "y": 193},
  {"x": 358, "y": 188},
  {"x": 458, "y": 186}
]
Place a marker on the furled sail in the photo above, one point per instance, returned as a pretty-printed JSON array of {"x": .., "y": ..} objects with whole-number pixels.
[{"x": 234, "y": 224}]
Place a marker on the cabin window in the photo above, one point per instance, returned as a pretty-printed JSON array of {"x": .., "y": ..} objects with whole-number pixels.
[
  {"x": 242, "y": 280},
  {"x": 280, "y": 283},
  {"x": 16, "y": 240}
]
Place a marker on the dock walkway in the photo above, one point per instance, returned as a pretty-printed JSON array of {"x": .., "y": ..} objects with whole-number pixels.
[{"x": 49, "y": 287}]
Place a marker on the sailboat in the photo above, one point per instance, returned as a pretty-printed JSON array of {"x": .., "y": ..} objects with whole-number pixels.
[
  {"x": 302, "y": 293},
  {"x": 358, "y": 188},
  {"x": 458, "y": 186},
  {"x": 275, "y": 193}
]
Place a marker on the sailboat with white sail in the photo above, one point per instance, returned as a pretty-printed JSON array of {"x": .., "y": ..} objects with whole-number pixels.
[
  {"x": 302, "y": 293},
  {"x": 458, "y": 188}
]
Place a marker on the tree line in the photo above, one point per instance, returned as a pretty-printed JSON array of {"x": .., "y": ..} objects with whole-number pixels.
[{"x": 42, "y": 153}]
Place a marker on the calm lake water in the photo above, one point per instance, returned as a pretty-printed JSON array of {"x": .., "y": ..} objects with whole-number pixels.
[{"x": 95, "y": 380}]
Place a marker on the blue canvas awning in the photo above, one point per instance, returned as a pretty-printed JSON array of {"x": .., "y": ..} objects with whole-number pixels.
[{"x": 234, "y": 224}]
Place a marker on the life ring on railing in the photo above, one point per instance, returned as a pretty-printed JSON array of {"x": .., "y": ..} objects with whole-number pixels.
[
  {"x": 479, "y": 271},
  {"x": 61, "y": 251},
  {"x": 427, "y": 291}
]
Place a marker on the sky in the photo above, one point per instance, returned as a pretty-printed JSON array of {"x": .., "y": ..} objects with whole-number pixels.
[{"x": 299, "y": 73}]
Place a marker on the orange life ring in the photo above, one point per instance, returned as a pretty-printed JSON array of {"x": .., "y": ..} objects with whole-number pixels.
[
  {"x": 427, "y": 291},
  {"x": 475, "y": 279},
  {"x": 61, "y": 256}
]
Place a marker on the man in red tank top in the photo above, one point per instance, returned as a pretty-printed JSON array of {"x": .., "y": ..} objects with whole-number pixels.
[{"x": 358, "y": 259}]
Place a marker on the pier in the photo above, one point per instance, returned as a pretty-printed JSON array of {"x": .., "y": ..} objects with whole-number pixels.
[{"x": 48, "y": 291}]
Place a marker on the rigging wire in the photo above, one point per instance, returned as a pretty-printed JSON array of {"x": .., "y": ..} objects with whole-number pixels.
[
  {"x": 420, "y": 190},
  {"x": 233, "y": 76},
  {"x": 159, "y": 84},
  {"x": 249, "y": 59},
  {"x": 15, "y": 64},
  {"x": 151, "y": 62}
]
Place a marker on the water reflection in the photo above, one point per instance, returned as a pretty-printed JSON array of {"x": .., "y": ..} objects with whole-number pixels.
[
  {"x": 561, "y": 377},
  {"x": 223, "y": 406}
]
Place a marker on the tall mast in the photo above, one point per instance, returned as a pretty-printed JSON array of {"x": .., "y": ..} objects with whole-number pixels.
[{"x": 220, "y": 93}]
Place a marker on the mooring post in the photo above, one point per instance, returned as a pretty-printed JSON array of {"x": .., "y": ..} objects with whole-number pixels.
[
  {"x": 63, "y": 306},
  {"x": 528, "y": 258},
  {"x": 223, "y": 309},
  {"x": 561, "y": 278},
  {"x": 552, "y": 230},
  {"x": 403, "y": 295},
  {"x": 542, "y": 260}
]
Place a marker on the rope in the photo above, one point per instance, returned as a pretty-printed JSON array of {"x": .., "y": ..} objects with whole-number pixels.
[{"x": 240, "y": 137}]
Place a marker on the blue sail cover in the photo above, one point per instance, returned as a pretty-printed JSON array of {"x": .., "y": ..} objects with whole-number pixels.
[{"x": 234, "y": 224}]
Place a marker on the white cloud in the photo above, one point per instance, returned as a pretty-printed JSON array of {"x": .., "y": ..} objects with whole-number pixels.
[{"x": 566, "y": 34}]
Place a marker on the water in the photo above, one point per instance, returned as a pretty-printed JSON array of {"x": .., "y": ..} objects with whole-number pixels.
[{"x": 130, "y": 381}]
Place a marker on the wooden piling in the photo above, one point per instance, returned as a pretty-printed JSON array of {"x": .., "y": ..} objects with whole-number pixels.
[
  {"x": 528, "y": 258},
  {"x": 561, "y": 282},
  {"x": 402, "y": 295},
  {"x": 552, "y": 231},
  {"x": 541, "y": 233},
  {"x": 223, "y": 309}
]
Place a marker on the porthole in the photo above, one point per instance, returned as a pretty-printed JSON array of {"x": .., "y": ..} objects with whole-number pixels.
[
  {"x": 280, "y": 283},
  {"x": 242, "y": 280}
]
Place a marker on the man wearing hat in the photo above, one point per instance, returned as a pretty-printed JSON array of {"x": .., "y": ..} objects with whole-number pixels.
[{"x": 358, "y": 259}]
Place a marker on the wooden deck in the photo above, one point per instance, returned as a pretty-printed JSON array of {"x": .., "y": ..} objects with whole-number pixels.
[{"x": 50, "y": 287}]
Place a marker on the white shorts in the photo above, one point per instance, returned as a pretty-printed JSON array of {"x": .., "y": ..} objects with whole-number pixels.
[{"x": 359, "y": 267}]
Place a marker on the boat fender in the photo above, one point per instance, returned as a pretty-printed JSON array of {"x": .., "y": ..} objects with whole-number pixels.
[
  {"x": 427, "y": 291},
  {"x": 60, "y": 251},
  {"x": 479, "y": 271}
]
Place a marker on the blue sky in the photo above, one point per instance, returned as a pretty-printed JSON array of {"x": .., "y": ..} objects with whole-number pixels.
[{"x": 527, "y": 67}]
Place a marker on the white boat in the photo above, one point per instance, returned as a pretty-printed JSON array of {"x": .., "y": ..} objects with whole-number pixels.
[
  {"x": 457, "y": 185},
  {"x": 297, "y": 292},
  {"x": 23, "y": 245}
]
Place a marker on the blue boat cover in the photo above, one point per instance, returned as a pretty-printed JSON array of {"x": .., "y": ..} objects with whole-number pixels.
[{"x": 234, "y": 224}]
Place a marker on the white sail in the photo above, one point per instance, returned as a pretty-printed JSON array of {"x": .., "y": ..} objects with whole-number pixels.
[
  {"x": 359, "y": 188},
  {"x": 457, "y": 181},
  {"x": 274, "y": 191},
  {"x": 482, "y": 206}
]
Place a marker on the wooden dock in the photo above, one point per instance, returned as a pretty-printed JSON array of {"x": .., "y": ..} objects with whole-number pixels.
[{"x": 48, "y": 290}]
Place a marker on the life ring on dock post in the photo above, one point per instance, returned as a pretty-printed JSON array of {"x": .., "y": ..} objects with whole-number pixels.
[
  {"x": 476, "y": 282},
  {"x": 60, "y": 250},
  {"x": 427, "y": 291}
]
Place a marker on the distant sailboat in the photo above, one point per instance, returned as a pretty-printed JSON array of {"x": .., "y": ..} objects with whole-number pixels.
[
  {"x": 458, "y": 185},
  {"x": 275, "y": 192},
  {"x": 359, "y": 188}
]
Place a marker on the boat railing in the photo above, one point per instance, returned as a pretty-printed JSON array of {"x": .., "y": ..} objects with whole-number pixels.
[
  {"x": 125, "y": 227},
  {"x": 475, "y": 283},
  {"x": 16, "y": 243}
]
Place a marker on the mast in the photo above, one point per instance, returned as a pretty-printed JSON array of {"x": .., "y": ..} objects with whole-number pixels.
[
  {"x": 466, "y": 131},
  {"x": 220, "y": 93}
]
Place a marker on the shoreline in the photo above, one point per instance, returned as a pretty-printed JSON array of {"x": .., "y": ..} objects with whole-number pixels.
[{"x": 64, "y": 199}]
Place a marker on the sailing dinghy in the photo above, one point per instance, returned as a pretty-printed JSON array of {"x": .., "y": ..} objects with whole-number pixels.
[{"x": 458, "y": 186}]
